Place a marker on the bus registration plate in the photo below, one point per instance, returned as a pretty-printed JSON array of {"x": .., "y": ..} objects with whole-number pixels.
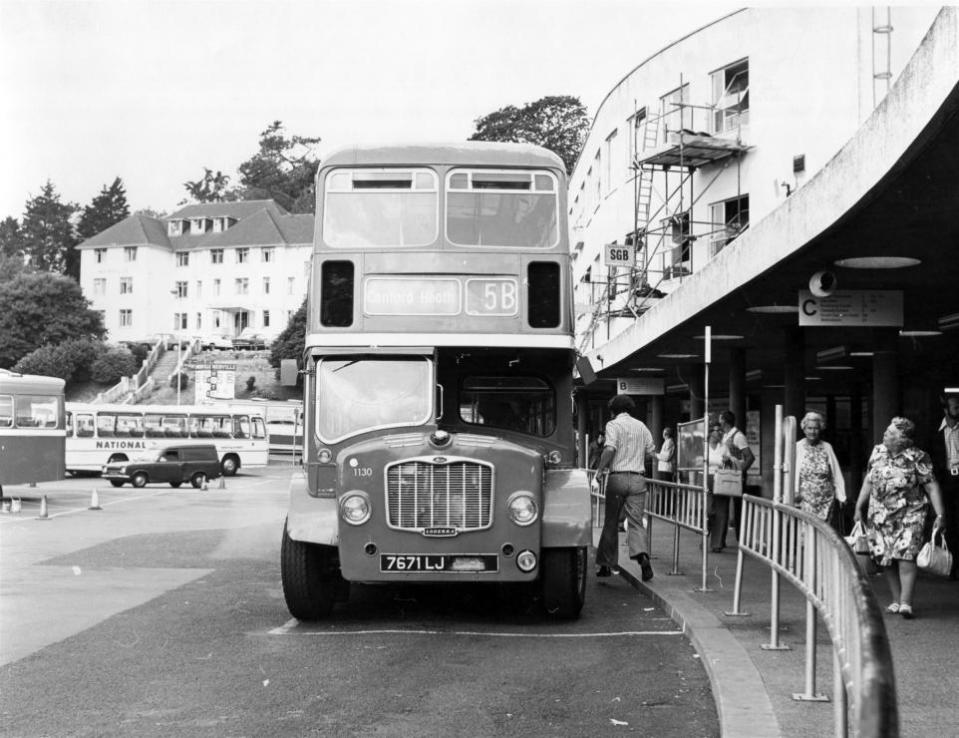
[{"x": 412, "y": 562}]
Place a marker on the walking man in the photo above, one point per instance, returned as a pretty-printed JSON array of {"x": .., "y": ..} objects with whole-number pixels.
[{"x": 629, "y": 444}]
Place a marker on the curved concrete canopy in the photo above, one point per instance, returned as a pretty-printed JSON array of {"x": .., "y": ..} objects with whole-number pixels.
[{"x": 893, "y": 189}]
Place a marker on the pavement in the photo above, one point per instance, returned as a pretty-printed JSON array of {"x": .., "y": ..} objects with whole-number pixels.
[{"x": 754, "y": 685}]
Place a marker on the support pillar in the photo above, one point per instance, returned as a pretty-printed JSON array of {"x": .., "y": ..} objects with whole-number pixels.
[
  {"x": 794, "y": 373},
  {"x": 885, "y": 391}
]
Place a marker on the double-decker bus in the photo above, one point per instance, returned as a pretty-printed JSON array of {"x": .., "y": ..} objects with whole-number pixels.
[
  {"x": 99, "y": 434},
  {"x": 438, "y": 437},
  {"x": 31, "y": 428}
]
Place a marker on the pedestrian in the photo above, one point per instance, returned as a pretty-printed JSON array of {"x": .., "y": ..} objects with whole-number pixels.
[
  {"x": 714, "y": 460},
  {"x": 820, "y": 488},
  {"x": 629, "y": 445},
  {"x": 666, "y": 457},
  {"x": 596, "y": 449},
  {"x": 893, "y": 503},
  {"x": 736, "y": 454},
  {"x": 945, "y": 457}
]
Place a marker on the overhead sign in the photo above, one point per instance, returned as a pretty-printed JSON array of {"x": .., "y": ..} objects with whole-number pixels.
[
  {"x": 848, "y": 308},
  {"x": 641, "y": 386},
  {"x": 620, "y": 255},
  {"x": 484, "y": 296},
  {"x": 213, "y": 382}
]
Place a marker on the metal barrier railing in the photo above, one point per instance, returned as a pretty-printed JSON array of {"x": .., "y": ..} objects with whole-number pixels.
[{"x": 812, "y": 557}]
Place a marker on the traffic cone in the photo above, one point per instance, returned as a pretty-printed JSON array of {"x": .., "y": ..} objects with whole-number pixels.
[
  {"x": 94, "y": 501},
  {"x": 206, "y": 485},
  {"x": 222, "y": 484},
  {"x": 43, "y": 509}
]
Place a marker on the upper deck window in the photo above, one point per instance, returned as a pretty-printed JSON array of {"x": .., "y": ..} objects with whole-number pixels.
[
  {"x": 502, "y": 208},
  {"x": 380, "y": 207}
]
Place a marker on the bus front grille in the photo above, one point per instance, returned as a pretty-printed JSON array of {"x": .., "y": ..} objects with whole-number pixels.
[{"x": 423, "y": 495}]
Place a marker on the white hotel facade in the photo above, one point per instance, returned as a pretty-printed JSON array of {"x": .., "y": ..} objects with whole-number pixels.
[{"x": 211, "y": 268}]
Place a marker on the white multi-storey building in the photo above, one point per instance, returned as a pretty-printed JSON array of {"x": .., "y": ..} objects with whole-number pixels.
[{"x": 211, "y": 268}]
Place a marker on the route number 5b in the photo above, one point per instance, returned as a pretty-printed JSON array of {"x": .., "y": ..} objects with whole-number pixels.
[{"x": 491, "y": 297}]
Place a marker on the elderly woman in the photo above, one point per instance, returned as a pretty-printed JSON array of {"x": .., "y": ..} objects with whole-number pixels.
[
  {"x": 819, "y": 482},
  {"x": 898, "y": 488}
]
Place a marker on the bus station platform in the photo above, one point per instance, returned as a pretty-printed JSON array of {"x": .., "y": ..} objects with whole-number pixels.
[{"x": 754, "y": 685}]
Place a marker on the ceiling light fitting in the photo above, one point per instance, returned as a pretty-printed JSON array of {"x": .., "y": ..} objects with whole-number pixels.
[
  {"x": 831, "y": 354},
  {"x": 773, "y": 309},
  {"x": 877, "y": 262}
]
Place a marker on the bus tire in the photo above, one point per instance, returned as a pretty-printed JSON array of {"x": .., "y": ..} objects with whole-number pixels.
[
  {"x": 198, "y": 480},
  {"x": 564, "y": 581},
  {"x": 229, "y": 465},
  {"x": 116, "y": 482},
  {"x": 311, "y": 578},
  {"x": 139, "y": 479}
]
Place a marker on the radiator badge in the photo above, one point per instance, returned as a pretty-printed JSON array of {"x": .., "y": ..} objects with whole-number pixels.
[{"x": 439, "y": 532}]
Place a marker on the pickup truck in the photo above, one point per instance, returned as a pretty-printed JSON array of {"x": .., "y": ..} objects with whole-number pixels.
[{"x": 175, "y": 465}]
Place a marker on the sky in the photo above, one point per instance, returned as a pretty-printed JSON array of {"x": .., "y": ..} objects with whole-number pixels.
[{"x": 154, "y": 91}]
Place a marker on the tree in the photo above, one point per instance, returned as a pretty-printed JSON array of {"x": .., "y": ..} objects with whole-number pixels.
[
  {"x": 106, "y": 209},
  {"x": 558, "y": 123},
  {"x": 11, "y": 238},
  {"x": 283, "y": 170},
  {"x": 47, "y": 232},
  {"x": 40, "y": 308},
  {"x": 291, "y": 343},
  {"x": 211, "y": 187}
]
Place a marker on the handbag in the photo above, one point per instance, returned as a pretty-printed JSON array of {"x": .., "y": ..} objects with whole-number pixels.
[
  {"x": 728, "y": 483},
  {"x": 857, "y": 539},
  {"x": 933, "y": 558}
]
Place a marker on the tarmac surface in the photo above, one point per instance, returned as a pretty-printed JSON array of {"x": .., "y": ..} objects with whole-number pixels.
[{"x": 754, "y": 686}]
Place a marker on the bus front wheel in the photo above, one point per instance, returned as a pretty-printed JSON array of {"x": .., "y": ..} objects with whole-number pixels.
[
  {"x": 311, "y": 578},
  {"x": 564, "y": 581}
]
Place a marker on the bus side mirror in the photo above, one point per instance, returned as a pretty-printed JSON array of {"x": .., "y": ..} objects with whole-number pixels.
[{"x": 288, "y": 372}]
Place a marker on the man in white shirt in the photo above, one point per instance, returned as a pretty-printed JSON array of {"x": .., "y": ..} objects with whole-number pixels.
[{"x": 629, "y": 447}]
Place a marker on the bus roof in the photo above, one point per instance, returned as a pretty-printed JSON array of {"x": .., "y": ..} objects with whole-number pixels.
[
  {"x": 467, "y": 153},
  {"x": 29, "y": 383}
]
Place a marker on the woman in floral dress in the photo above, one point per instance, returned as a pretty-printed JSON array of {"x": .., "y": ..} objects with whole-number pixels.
[
  {"x": 819, "y": 481},
  {"x": 898, "y": 488}
]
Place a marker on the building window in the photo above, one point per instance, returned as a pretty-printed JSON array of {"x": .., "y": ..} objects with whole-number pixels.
[
  {"x": 180, "y": 321},
  {"x": 266, "y": 318},
  {"x": 266, "y": 254},
  {"x": 181, "y": 289},
  {"x": 728, "y": 219},
  {"x": 199, "y": 288},
  {"x": 242, "y": 256},
  {"x": 130, "y": 253},
  {"x": 731, "y": 97},
  {"x": 216, "y": 287},
  {"x": 126, "y": 318},
  {"x": 183, "y": 259},
  {"x": 199, "y": 321},
  {"x": 216, "y": 256},
  {"x": 103, "y": 315},
  {"x": 217, "y": 225},
  {"x": 242, "y": 286},
  {"x": 289, "y": 285},
  {"x": 675, "y": 115},
  {"x": 289, "y": 315},
  {"x": 597, "y": 169},
  {"x": 266, "y": 285},
  {"x": 678, "y": 258},
  {"x": 100, "y": 255},
  {"x": 198, "y": 225},
  {"x": 126, "y": 285},
  {"x": 174, "y": 228},
  {"x": 608, "y": 174},
  {"x": 636, "y": 130},
  {"x": 99, "y": 286},
  {"x": 216, "y": 318}
]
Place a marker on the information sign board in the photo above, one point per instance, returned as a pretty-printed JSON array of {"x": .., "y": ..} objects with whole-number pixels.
[
  {"x": 619, "y": 255},
  {"x": 848, "y": 308}
]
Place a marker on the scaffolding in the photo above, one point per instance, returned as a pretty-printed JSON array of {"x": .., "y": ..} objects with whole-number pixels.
[{"x": 667, "y": 151}]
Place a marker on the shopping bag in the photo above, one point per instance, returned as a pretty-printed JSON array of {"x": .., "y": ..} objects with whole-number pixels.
[
  {"x": 728, "y": 483},
  {"x": 933, "y": 558},
  {"x": 857, "y": 539}
]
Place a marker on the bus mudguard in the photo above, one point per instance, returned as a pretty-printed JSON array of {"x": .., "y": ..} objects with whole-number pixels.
[
  {"x": 311, "y": 519},
  {"x": 566, "y": 509}
]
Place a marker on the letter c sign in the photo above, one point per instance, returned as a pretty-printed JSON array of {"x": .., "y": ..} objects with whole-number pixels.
[{"x": 810, "y": 306}]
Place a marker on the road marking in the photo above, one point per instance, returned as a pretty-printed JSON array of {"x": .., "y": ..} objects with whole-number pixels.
[
  {"x": 21, "y": 518},
  {"x": 288, "y": 628}
]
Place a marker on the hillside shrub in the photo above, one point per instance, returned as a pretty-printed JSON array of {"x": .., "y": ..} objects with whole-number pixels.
[
  {"x": 46, "y": 361},
  {"x": 113, "y": 364}
]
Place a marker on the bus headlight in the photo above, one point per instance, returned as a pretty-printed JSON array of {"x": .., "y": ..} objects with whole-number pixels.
[
  {"x": 522, "y": 508},
  {"x": 355, "y": 508}
]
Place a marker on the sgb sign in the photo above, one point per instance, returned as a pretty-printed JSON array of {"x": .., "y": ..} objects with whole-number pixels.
[{"x": 620, "y": 255}]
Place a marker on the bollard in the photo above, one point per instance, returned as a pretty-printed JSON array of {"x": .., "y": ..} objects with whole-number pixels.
[
  {"x": 16, "y": 505},
  {"x": 43, "y": 509},
  {"x": 222, "y": 484},
  {"x": 94, "y": 501}
]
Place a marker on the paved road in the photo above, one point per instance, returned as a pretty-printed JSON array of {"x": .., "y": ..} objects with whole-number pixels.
[{"x": 162, "y": 614}]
